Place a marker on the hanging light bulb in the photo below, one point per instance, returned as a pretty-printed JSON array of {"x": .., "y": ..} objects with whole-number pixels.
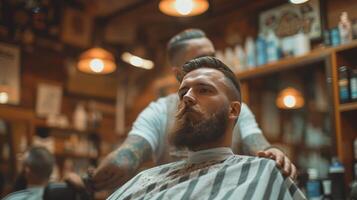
[
  {"x": 4, "y": 94},
  {"x": 290, "y": 98},
  {"x": 96, "y": 61},
  {"x": 183, "y": 8},
  {"x": 137, "y": 61},
  {"x": 298, "y": 1}
]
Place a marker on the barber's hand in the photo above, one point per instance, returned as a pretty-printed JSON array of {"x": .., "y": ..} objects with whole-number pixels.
[
  {"x": 75, "y": 180},
  {"x": 109, "y": 174},
  {"x": 282, "y": 161}
]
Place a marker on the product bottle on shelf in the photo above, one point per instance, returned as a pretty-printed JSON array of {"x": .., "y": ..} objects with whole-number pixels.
[
  {"x": 250, "y": 52},
  {"x": 353, "y": 84},
  {"x": 345, "y": 28},
  {"x": 326, "y": 186},
  {"x": 261, "y": 50},
  {"x": 335, "y": 37},
  {"x": 343, "y": 84},
  {"x": 336, "y": 174},
  {"x": 272, "y": 43},
  {"x": 313, "y": 185}
]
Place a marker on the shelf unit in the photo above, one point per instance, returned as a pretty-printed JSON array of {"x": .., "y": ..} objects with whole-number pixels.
[
  {"x": 347, "y": 107},
  {"x": 342, "y": 116}
]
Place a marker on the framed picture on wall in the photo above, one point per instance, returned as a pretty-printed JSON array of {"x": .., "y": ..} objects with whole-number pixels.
[
  {"x": 9, "y": 74},
  {"x": 76, "y": 28},
  {"x": 49, "y": 99},
  {"x": 289, "y": 19}
]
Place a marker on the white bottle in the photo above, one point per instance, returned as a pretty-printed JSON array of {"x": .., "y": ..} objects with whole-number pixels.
[
  {"x": 250, "y": 52},
  {"x": 240, "y": 57},
  {"x": 302, "y": 44},
  {"x": 345, "y": 28},
  {"x": 80, "y": 117}
]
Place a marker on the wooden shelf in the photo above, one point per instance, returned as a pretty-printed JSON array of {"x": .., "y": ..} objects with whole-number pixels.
[
  {"x": 316, "y": 55},
  {"x": 75, "y": 155},
  {"x": 67, "y": 130},
  {"x": 287, "y": 63},
  {"x": 348, "y": 107}
]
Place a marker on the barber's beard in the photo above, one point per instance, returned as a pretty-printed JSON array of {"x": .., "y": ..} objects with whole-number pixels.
[{"x": 192, "y": 130}]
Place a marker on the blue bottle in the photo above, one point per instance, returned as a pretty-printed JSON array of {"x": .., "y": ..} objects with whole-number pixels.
[
  {"x": 335, "y": 37},
  {"x": 261, "y": 50},
  {"x": 313, "y": 185}
]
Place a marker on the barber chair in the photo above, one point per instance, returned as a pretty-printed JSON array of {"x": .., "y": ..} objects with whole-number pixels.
[{"x": 60, "y": 191}]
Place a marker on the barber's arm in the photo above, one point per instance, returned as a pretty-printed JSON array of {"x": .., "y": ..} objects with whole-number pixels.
[
  {"x": 120, "y": 165},
  {"x": 116, "y": 168},
  {"x": 254, "y": 143}
]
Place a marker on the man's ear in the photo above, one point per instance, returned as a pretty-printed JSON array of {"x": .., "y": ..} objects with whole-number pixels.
[{"x": 234, "y": 109}]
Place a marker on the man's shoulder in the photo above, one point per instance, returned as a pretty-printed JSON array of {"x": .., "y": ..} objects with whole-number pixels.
[
  {"x": 19, "y": 195},
  {"x": 252, "y": 160}
]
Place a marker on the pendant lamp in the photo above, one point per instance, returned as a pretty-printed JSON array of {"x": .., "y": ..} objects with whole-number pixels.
[
  {"x": 298, "y": 1},
  {"x": 183, "y": 8},
  {"x": 290, "y": 98},
  {"x": 96, "y": 61},
  {"x": 4, "y": 94}
]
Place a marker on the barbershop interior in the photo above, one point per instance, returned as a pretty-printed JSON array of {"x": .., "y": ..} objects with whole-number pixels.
[{"x": 84, "y": 87}]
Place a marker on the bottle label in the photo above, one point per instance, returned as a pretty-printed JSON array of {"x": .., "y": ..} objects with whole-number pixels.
[
  {"x": 343, "y": 84},
  {"x": 354, "y": 88},
  {"x": 313, "y": 189}
]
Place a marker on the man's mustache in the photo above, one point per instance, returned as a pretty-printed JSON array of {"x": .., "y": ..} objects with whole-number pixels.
[{"x": 182, "y": 110}]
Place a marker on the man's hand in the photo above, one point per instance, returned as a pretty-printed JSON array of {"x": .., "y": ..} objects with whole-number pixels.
[{"x": 282, "y": 161}]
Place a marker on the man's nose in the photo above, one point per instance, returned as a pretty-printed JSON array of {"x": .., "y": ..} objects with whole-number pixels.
[{"x": 189, "y": 98}]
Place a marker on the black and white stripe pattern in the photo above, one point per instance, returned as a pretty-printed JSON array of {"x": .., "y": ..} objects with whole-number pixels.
[{"x": 238, "y": 177}]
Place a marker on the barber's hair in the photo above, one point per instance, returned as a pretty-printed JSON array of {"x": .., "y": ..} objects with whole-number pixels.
[
  {"x": 178, "y": 42},
  {"x": 40, "y": 161},
  {"x": 212, "y": 62}
]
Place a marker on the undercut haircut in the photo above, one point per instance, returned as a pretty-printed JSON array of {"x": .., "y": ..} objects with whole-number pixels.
[
  {"x": 179, "y": 41},
  {"x": 212, "y": 62},
  {"x": 40, "y": 161}
]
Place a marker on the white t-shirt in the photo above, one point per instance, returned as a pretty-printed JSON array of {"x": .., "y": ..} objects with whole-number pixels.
[
  {"x": 155, "y": 121},
  {"x": 211, "y": 174},
  {"x": 34, "y": 193}
]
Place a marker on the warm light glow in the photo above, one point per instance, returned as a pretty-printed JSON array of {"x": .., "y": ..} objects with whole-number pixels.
[
  {"x": 4, "y": 97},
  {"x": 289, "y": 101},
  {"x": 137, "y": 61},
  {"x": 298, "y": 1},
  {"x": 96, "y": 65},
  {"x": 96, "y": 61},
  {"x": 290, "y": 98},
  {"x": 183, "y": 8}
]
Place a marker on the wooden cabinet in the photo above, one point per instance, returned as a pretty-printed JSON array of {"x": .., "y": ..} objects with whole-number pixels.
[{"x": 327, "y": 127}]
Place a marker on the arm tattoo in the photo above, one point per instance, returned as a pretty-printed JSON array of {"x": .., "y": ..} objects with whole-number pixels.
[
  {"x": 254, "y": 143},
  {"x": 134, "y": 151}
]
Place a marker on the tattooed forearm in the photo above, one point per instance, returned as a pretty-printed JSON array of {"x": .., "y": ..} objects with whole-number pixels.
[
  {"x": 254, "y": 143},
  {"x": 134, "y": 151}
]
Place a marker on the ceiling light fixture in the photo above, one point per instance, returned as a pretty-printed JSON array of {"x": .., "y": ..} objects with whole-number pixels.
[
  {"x": 183, "y": 8},
  {"x": 290, "y": 98},
  {"x": 298, "y": 1},
  {"x": 96, "y": 61},
  {"x": 4, "y": 94},
  {"x": 137, "y": 61}
]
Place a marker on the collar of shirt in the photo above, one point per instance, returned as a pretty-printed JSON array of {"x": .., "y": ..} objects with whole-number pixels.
[{"x": 214, "y": 154}]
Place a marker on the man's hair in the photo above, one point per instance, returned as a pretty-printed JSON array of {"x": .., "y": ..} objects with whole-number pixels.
[
  {"x": 211, "y": 62},
  {"x": 179, "y": 41},
  {"x": 40, "y": 161}
]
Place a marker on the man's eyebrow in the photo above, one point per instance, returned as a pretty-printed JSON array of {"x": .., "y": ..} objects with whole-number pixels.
[{"x": 210, "y": 54}]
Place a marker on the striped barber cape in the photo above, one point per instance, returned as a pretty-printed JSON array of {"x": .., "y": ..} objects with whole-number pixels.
[{"x": 211, "y": 174}]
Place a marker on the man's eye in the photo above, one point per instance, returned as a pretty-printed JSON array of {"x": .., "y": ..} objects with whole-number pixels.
[{"x": 204, "y": 90}]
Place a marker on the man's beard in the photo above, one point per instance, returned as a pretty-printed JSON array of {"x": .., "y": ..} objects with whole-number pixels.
[{"x": 191, "y": 130}]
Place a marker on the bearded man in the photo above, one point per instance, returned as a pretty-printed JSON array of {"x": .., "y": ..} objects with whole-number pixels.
[{"x": 209, "y": 105}]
